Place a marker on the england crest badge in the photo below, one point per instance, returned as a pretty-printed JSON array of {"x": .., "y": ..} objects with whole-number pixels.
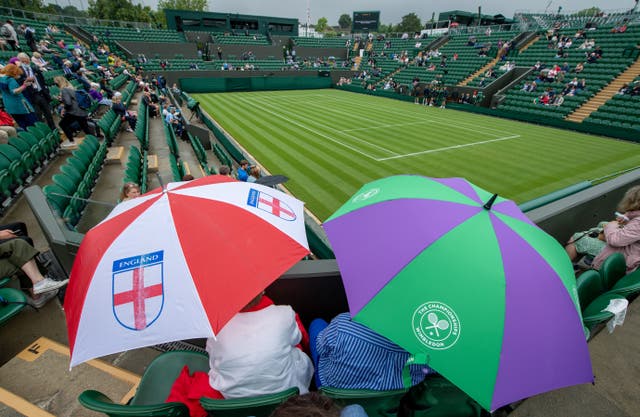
[{"x": 138, "y": 291}]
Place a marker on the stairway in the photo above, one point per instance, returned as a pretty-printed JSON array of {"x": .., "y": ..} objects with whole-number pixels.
[
  {"x": 528, "y": 44},
  {"x": 482, "y": 70},
  {"x": 356, "y": 63},
  {"x": 605, "y": 94}
]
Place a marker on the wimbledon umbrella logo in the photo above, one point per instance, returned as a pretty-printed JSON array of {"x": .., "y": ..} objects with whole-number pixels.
[
  {"x": 436, "y": 325},
  {"x": 366, "y": 195}
]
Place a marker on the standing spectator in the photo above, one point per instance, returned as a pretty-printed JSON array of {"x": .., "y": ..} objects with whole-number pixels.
[
  {"x": 9, "y": 33},
  {"x": 15, "y": 103},
  {"x": 71, "y": 112},
  {"x": 30, "y": 36},
  {"x": 219, "y": 50},
  {"x": 37, "y": 92}
]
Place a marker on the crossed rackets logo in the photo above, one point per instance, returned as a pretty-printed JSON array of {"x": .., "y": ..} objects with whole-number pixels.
[{"x": 436, "y": 325}]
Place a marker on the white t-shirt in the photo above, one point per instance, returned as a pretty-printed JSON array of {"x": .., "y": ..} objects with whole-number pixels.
[{"x": 255, "y": 354}]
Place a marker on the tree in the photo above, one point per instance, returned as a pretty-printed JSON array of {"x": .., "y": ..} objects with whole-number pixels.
[
  {"x": 344, "y": 21},
  {"x": 410, "y": 23},
  {"x": 32, "y": 5},
  {"x": 73, "y": 11},
  {"x": 195, "y": 5},
  {"x": 382, "y": 28},
  {"x": 592, "y": 11},
  {"x": 120, "y": 10},
  {"x": 321, "y": 26}
]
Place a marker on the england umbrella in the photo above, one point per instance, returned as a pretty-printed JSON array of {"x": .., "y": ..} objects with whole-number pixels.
[
  {"x": 464, "y": 281},
  {"x": 178, "y": 263}
]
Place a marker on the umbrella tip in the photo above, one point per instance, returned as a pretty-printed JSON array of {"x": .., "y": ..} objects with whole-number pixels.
[{"x": 489, "y": 203}]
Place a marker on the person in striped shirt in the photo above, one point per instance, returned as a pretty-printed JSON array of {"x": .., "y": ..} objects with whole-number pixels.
[{"x": 349, "y": 355}]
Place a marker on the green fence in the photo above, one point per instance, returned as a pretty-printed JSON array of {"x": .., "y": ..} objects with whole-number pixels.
[{"x": 226, "y": 84}]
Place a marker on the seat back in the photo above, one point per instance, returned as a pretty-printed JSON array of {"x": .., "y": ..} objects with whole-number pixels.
[
  {"x": 260, "y": 406},
  {"x": 97, "y": 401},
  {"x": 159, "y": 376},
  {"x": 589, "y": 286},
  {"x": 12, "y": 301},
  {"x": 613, "y": 268},
  {"x": 375, "y": 403}
]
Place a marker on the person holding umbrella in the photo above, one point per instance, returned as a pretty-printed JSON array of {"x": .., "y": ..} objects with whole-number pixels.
[{"x": 259, "y": 352}]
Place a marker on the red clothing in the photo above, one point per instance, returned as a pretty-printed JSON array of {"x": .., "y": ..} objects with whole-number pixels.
[{"x": 188, "y": 389}]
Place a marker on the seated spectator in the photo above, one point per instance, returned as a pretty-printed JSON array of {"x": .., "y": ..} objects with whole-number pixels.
[
  {"x": 130, "y": 190},
  {"x": 579, "y": 68},
  {"x": 121, "y": 111},
  {"x": 39, "y": 61},
  {"x": 623, "y": 234},
  {"x": 154, "y": 109},
  {"x": 349, "y": 355},
  {"x": 588, "y": 44},
  {"x": 17, "y": 253},
  {"x": 314, "y": 404},
  {"x": 254, "y": 174},
  {"x": 587, "y": 244},
  {"x": 96, "y": 95},
  {"x": 620, "y": 29},
  {"x": 7, "y": 126},
  {"x": 225, "y": 170},
  {"x": 243, "y": 171},
  {"x": 258, "y": 352},
  {"x": 624, "y": 89}
]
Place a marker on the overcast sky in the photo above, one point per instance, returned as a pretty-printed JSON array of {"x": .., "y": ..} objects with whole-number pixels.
[{"x": 391, "y": 10}]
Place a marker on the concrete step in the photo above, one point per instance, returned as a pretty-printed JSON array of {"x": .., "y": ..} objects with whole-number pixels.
[{"x": 115, "y": 155}]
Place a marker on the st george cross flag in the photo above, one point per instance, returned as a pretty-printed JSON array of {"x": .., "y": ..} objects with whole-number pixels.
[{"x": 178, "y": 263}]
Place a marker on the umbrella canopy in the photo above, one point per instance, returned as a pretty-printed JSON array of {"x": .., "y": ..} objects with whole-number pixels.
[
  {"x": 272, "y": 180},
  {"x": 178, "y": 263},
  {"x": 465, "y": 280}
]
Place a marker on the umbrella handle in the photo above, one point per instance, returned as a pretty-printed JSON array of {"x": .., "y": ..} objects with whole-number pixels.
[{"x": 488, "y": 204}]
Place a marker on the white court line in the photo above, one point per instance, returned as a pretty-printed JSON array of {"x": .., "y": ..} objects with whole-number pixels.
[
  {"x": 465, "y": 145},
  {"x": 263, "y": 107},
  {"x": 384, "y": 126}
]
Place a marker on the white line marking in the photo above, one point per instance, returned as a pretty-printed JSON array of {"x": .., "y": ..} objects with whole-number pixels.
[
  {"x": 465, "y": 145},
  {"x": 384, "y": 126},
  {"x": 263, "y": 107}
]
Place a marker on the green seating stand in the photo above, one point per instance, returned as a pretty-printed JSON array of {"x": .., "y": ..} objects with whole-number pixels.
[
  {"x": 260, "y": 406},
  {"x": 154, "y": 388},
  {"x": 615, "y": 278},
  {"x": 593, "y": 299},
  {"x": 375, "y": 403},
  {"x": 12, "y": 301}
]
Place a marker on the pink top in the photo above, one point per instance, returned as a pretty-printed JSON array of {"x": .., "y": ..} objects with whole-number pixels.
[{"x": 624, "y": 239}]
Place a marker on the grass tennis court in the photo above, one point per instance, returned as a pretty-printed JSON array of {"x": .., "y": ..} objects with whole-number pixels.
[{"x": 330, "y": 142}]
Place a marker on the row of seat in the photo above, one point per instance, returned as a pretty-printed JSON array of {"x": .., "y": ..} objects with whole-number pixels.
[
  {"x": 23, "y": 157},
  {"x": 176, "y": 165},
  {"x": 597, "y": 288},
  {"x": 137, "y": 168},
  {"x": 73, "y": 185},
  {"x": 443, "y": 398}
]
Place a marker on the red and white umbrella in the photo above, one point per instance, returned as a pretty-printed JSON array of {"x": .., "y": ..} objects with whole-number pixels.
[{"x": 178, "y": 263}]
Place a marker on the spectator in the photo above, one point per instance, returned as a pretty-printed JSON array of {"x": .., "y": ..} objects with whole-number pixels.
[
  {"x": 225, "y": 170},
  {"x": 7, "y": 126},
  {"x": 71, "y": 112},
  {"x": 15, "y": 103},
  {"x": 8, "y": 32},
  {"x": 254, "y": 174},
  {"x": 37, "y": 92},
  {"x": 39, "y": 61},
  {"x": 122, "y": 112},
  {"x": 130, "y": 190},
  {"x": 315, "y": 404},
  {"x": 30, "y": 36},
  {"x": 243, "y": 171},
  {"x": 623, "y": 234},
  {"x": 187, "y": 177},
  {"x": 18, "y": 254},
  {"x": 349, "y": 355},
  {"x": 264, "y": 337}
]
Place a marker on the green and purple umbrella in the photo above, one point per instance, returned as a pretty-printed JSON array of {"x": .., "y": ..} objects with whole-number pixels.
[{"x": 463, "y": 279}]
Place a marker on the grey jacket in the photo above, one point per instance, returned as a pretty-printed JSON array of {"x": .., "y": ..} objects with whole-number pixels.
[{"x": 70, "y": 104}]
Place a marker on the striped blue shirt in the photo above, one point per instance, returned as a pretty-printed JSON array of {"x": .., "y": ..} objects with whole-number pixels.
[{"x": 351, "y": 356}]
